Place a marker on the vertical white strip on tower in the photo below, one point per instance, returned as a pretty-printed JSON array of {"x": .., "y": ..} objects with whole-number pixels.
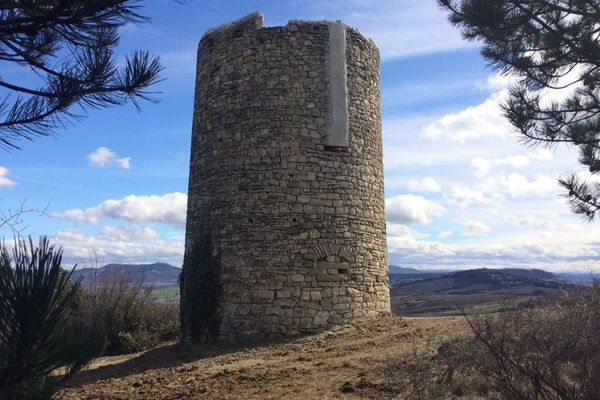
[{"x": 337, "y": 135}]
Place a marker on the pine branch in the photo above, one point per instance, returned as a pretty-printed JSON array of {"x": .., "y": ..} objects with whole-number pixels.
[
  {"x": 542, "y": 43},
  {"x": 581, "y": 198},
  {"x": 82, "y": 35}
]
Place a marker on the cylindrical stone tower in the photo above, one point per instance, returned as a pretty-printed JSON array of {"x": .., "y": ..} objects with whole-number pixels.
[{"x": 285, "y": 222}]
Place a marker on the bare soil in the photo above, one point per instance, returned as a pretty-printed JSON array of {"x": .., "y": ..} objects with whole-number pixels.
[{"x": 349, "y": 363}]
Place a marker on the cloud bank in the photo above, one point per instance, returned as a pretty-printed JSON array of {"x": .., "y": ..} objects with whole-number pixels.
[{"x": 168, "y": 209}]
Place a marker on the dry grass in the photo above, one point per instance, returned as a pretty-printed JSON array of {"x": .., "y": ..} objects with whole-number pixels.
[{"x": 343, "y": 363}]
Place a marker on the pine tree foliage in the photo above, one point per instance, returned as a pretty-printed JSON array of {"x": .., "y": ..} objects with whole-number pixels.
[
  {"x": 550, "y": 45},
  {"x": 58, "y": 60},
  {"x": 38, "y": 332}
]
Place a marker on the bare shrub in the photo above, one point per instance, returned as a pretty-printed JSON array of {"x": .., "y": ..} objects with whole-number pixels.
[
  {"x": 415, "y": 375},
  {"x": 545, "y": 353},
  {"x": 121, "y": 305}
]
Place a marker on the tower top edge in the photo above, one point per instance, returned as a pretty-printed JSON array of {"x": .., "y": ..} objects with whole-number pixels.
[{"x": 256, "y": 21}]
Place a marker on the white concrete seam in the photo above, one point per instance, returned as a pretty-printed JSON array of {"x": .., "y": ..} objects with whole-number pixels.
[{"x": 337, "y": 134}]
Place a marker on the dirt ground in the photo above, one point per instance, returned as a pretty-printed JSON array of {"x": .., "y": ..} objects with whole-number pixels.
[{"x": 347, "y": 363}]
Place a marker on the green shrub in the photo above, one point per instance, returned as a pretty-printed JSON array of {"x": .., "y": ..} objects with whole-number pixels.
[{"x": 39, "y": 332}]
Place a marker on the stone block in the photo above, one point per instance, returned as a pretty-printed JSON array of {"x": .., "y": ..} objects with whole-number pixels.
[
  {"x": 314, "y": 295},
  {"x": 284, "y": 303},
  {"x": 266, "y": 294},
  {"x": 321, "y": 318},
  {"x": 331, "y": 278},
  {"x": 275, "y": 311}
]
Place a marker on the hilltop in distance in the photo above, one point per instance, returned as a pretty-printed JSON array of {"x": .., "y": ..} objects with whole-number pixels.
[
  {"x": 160, "y": 275},
  {"x": 477, "y": 290}
]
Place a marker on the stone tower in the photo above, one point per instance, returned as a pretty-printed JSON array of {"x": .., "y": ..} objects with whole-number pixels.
[{"x": 285, "y": 222}]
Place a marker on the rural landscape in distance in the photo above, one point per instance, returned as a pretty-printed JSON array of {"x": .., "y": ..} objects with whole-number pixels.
[{"x": 324, "y": 200}]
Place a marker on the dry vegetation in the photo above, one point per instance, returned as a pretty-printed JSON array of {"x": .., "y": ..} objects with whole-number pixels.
[
  {"x": 351, "y": 362},
  {"x": 51, "y": 326},
  {"x": 123, "y": 308},
  {"x": 549, "y": 352}
]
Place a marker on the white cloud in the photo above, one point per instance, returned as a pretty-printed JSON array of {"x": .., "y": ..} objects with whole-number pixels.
[
  {"x": 518, "y": 185},
  {"x": 483, "y": 121},
  {"x": 476, "y": 227},
  {"x": 410, "y": 209},
  {"x": 130, "y": 243},
  {"x": 5, "y": 181},
  {"x": 426, "y": 184},
  {"x": 520, "y": 252},
  {"x": 401, "y": 238},
  {"x": 535, "y": 221},
  {"x": 495, "y": 82},
  {"x": 444, "y": 234},
  {"x": 168, "y": 209},
  {"x": 103, "y": 156},
  {"x": 402, "y": 231},
  {"x": 463, "y": 197},
  {"x": 516, "y": 161},
  {"x": 483, "y": 165},
  {"x": 541, "y": 154}
]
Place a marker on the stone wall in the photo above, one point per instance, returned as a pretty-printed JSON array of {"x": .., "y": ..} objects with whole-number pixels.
[{"x": 297, "y": 232}]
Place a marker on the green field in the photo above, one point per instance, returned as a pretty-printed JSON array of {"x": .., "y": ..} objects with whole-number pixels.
[{"x": 171, "y": 293}]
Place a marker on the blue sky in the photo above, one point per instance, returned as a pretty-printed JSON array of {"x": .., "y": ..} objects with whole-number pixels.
[{"x": 461, "y": 191}]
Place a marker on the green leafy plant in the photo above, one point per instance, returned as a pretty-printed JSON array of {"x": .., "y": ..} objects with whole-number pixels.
[{"x": 39, "y": 331}]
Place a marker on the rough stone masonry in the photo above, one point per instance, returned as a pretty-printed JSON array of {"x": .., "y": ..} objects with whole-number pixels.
[{"x": 285, "y": 226}]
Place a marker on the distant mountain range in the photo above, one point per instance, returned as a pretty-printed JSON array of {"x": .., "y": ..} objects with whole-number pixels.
[
  {"x": 575, "y": 277},
  {"x": 161, "y": 275}
]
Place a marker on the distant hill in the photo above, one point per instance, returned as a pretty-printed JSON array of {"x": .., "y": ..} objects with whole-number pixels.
[
  {"x": 394, "y": 269},
  {"x": 579, "y": 277},
  {"x": 478, "y": 290},
  {"x": 480, "y": 280},
  {"x": 493, "y": 279},
  {"x": 161, "y": 275}
]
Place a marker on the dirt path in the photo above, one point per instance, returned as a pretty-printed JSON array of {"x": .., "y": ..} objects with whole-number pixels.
[{"x": 329, "y": 365}]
